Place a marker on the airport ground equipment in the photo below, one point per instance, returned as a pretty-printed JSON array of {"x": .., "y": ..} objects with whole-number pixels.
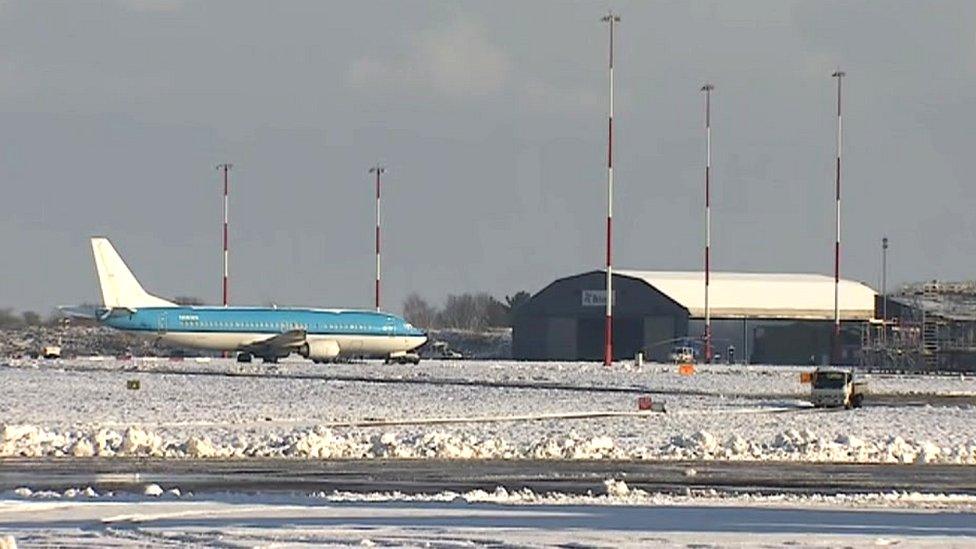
[
  {"x": 682, "y": 354},
  {"x": 51, "y": 351},
  {"x": 403, "y": 358},
  {"x": 440, "y": 349},
  {"x": 836, "y": 387}
]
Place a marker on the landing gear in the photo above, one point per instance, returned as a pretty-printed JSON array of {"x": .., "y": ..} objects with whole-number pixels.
[
  {"x": 269, "y": 359},
  {"x": 244, "y": 357}
]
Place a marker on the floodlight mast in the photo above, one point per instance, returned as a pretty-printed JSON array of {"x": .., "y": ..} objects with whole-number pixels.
[
  {"x": 378, "y": 170},
  {"x": 225, "y": 167},
  {"x": 611, "y": 19},
  {"x": 707, "y": 88},
  {"x": 836, "y": 347},
  {"x": 884, "y": 290}
]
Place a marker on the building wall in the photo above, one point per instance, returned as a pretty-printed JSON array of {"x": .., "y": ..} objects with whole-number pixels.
[
  {"x": 559, "y": 324},
  {"x": 788, "y": 342}
]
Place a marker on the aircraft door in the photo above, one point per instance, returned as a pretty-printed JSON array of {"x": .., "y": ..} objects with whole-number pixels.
[{"x": 161, "y": 324}]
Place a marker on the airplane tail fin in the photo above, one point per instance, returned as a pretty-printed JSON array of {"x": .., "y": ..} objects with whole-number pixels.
[{"x": 119, "y": 287}]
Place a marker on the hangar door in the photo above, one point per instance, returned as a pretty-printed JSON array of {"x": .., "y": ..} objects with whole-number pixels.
[
  {"x": 561, "y": 338},
  {"x": 627, "y": 338},
  {"x": 658, "y": 337}
]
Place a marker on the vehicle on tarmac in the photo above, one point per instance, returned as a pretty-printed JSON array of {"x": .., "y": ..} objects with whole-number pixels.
[
  {"x": 51, "y": 351},
  {"x": 836, "y": 387},
  {"x": 441, "y": 350},
  {"x": 682, "y": 354},
  {"x": 406, "y": 357}
]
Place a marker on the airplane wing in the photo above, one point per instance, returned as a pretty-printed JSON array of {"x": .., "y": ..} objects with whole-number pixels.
[{"x": 285, "y": 341}]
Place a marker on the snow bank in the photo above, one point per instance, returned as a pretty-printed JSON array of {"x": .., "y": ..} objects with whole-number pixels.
[
  {"x": 80, "y": 413},
  {"x": 71, "y": 493},
  {"x": 325, "y": 443},
  {"x": 619, "y": 493},
  {"x": 793, "y": 445},
  {"x": 616, "y": 492}
]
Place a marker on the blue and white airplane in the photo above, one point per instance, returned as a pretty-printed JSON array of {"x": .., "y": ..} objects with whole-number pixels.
[{"x": 321, "y": 335}]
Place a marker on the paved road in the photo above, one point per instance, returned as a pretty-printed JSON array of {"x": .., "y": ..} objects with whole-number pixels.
[
  {"x": 425, "y": 476},
  {"x": 262, "y": 521}
]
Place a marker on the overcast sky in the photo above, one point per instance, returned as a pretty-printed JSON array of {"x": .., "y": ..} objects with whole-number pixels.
[{"x": 490, "y": 117}]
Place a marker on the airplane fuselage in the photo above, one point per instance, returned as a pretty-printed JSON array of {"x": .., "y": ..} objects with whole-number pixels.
[{"x": 356, "y": 333}]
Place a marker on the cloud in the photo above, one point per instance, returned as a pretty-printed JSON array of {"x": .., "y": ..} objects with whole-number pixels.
[
  {"x": 151, "y": 6},
  {"x": 544, "y": 95},
  {"x": 456, "y": 60}
]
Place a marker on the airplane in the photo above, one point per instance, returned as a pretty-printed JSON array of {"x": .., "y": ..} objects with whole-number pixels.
[{"x": 269, "y": 333}]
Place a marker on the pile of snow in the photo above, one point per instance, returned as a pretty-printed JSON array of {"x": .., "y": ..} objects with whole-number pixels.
[
  {"x": 619, "y": 493},
  {"x": 616, "y": 492},
  {"x": 324, "y": 443},
  {"x": 70, "y": 493},
  {"x": 794, "y": 445}
]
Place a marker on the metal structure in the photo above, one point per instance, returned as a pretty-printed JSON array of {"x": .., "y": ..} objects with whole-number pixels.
[
  {"x": 884, "y": 286},
  {"x": 225, "y": 167},
  {"x": 378, "y": 170},
  {"x": 836, "y": 346},
  {"x": 930, "y": 327},
  {"x": 707, "y": 88},
  {"x": 610, "y": 18}
]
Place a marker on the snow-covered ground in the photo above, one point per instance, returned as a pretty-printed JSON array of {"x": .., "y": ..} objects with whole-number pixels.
[
  {"x": 83, "y": 408},
  {"x": 621, "y": 517}
]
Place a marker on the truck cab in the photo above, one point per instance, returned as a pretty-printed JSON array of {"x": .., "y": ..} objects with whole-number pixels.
[{"x": 836, "y": 387}]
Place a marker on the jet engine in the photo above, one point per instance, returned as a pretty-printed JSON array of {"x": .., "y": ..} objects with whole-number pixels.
[{"x": 320, "y": 350}]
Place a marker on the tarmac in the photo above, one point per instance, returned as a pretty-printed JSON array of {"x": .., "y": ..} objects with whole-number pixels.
[{"x": 427, "y": 476}]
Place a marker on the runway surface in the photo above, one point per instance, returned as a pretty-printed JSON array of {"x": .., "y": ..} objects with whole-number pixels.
[
  {"x": 261, "y": 521},
  {"x": 427, "y": 476}
]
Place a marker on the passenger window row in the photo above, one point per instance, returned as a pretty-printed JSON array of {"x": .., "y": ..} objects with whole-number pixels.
[{"x": 282, "y": 325}]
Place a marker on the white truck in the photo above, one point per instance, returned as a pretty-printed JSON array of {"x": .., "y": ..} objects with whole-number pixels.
[
  {"x": 51, "y": 351},
  {"x": 836, "y": 387}
]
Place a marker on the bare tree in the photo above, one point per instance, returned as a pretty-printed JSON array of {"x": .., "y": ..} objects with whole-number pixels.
[
  {"x": 460, "y": 312},
  {"x": 418, "y": 312},
  {"x": 472, "y": 312},
  {"x": 513, "y": 302},
  {"x": 31, "y": 318},
  {"x": 10, "y": 320}
]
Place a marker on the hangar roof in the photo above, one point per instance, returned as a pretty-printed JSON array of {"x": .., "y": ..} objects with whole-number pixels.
[{"x": 761, "y": 295}]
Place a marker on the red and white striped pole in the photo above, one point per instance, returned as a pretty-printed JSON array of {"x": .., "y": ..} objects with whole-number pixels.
[
  {"x": 610, "y": 18},
  {"x": 836, "y": 350},
  {"x": 378, "y": 170},
  {"x": 226, "y": 168},
  {"x": 707, "y": 88}
]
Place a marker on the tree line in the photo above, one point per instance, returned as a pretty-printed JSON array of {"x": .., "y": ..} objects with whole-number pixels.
[
  {"x": 467, "y": 311},
  {"x": 10, "y": 320}
]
